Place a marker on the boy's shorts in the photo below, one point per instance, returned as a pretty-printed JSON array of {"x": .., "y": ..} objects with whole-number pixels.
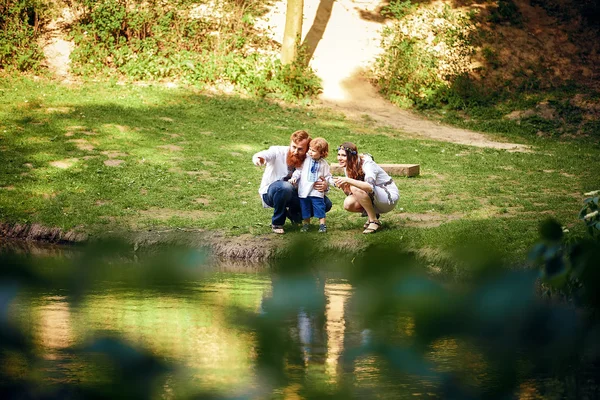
[{"x": 312, "y": 207}]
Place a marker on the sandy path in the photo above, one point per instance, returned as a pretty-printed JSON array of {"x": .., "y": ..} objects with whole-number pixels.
[{"x": 57, "y": 49}]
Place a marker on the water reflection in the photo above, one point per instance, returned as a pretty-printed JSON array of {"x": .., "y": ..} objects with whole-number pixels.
[
  {"x": 55, "y": 324},
  {"x": 337, "y": 294},
  {"x": 193, "y": 327},
  {"x": 272, "y": 331}
]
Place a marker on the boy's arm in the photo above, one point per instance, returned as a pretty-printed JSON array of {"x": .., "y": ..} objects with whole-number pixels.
[
  {"x": 326, "y": 180},
  {"x": 296, "y": 176},
  {"x": 327, "y": 175},
  {"x": 297, "y": 173}
]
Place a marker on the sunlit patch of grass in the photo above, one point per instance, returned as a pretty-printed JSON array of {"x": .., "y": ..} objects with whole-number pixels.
[
  {"x": 177, "y": 147},
  {"x": 36, "y": 140}
]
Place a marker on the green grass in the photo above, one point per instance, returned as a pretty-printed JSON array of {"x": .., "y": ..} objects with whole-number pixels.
[
  {"x": 186, "y": 163},
  {"x": 569, "y": 120}
]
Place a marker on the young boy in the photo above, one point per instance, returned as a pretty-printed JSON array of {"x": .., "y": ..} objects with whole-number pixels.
[{"x": 314, "y": 168}]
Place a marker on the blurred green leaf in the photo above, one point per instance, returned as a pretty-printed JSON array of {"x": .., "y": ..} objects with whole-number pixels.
[{"x": 551, "y": 230}]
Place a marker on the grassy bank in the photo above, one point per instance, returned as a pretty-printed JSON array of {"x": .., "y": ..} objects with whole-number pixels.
[{"x": 102, "y": 158}]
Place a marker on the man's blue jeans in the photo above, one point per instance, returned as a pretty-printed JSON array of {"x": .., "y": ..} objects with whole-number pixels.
[{"x": 283, "y": 197}]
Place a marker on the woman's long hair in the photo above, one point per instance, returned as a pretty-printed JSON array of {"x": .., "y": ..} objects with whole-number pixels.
[{"x": 353, "y": 161}]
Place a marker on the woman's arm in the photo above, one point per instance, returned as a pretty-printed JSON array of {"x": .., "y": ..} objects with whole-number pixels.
[{"x": 353, "y": 182}]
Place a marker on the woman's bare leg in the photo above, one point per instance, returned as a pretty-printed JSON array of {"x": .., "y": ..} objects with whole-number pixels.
[
  {"x": 359, "y": 201},
  {"x": 352, "y": 205}
]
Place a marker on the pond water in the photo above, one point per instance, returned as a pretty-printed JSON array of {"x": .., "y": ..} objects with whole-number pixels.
[{"x": 234, "y": 330}]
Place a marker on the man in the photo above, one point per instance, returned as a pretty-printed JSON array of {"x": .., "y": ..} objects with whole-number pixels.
[{"x": 275, "y": 190}]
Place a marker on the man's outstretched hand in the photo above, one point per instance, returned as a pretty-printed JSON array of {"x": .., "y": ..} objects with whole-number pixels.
[{"x": 258, "y": 161}]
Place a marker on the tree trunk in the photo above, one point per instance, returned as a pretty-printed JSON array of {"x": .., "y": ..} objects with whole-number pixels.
[{"x": 293, "y": 30}]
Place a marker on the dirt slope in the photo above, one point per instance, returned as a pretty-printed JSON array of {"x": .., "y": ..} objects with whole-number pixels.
[
  {"x": 57, "y": 48},
  {"x": 344, "y": 37}
]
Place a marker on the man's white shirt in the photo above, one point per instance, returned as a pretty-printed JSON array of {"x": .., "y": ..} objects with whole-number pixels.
[{"x": 275, "y": 167}]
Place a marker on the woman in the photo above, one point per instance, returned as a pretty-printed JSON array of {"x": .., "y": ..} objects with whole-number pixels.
[{"x": 367, "y": 186}]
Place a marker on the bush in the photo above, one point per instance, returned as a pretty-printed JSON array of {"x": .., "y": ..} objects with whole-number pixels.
[
  {"x": 569, "y": 266},
  {"x": 195, "y": 43},
  {"x": 20, "y": 22},
  {"x": 424, "y": 52},
  {"x": 506, "y": 12}
]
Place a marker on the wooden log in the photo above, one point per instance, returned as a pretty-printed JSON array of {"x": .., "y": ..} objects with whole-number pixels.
[{"x": 392, "y": 169}]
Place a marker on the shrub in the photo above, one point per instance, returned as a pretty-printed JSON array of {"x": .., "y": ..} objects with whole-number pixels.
[
  {"x": 20, "y": 22},
  {"x": 297, "y": 80},
  {"x": 183, "y": 40},
  {"x": 569, "y": 266},
  {"x": 506, "y": 12},
  {"x": 424, "y": 51}
]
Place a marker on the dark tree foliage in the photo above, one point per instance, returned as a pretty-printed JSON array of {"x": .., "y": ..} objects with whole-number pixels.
[{"x": 20, "y": 22}]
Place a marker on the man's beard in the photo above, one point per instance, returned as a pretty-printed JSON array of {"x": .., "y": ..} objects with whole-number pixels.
[{"x": 294, "y": 160}]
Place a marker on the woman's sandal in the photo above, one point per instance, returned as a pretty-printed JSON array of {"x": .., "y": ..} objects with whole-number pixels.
[
  {"x": 366, "y": 225},
  {"x": 277, "y": 229},
  {"x": 372, "y": 227}
]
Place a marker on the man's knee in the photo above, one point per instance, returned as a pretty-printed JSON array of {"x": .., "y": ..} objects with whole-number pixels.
[
  {"x": 288, "y": 188},
  {"x": 283, "y": 194},
  {"x": 328, "y": 204},
  {"x": 282, "y": 188}
]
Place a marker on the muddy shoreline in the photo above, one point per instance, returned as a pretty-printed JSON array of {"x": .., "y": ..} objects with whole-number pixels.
[{"x": 244, "y": 248}]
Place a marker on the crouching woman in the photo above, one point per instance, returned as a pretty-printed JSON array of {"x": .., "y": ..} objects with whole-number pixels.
[{"x": 368, "y": 187}]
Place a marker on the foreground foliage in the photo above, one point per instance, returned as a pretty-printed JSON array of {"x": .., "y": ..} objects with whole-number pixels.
[
  {"x": 507, "y": 340},
  {"x": 569, "y": 267}
]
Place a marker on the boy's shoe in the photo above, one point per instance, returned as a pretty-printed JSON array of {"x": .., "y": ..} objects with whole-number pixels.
[
  {"x": 304, "y": 228},
  {"x": 322, "y": 228}
]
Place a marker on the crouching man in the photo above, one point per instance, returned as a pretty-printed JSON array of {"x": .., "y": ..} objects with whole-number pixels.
[{"x": 275, "y": 190}]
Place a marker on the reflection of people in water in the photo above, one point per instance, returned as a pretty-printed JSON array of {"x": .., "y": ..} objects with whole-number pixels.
[
  {"x": 297, "y": 304},
  {"x": 312, "y": 336}
]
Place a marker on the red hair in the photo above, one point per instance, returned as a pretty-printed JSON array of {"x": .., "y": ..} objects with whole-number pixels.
[
  {"x": 321, "y": 145},
  {"x": 299, "y": 136}
]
